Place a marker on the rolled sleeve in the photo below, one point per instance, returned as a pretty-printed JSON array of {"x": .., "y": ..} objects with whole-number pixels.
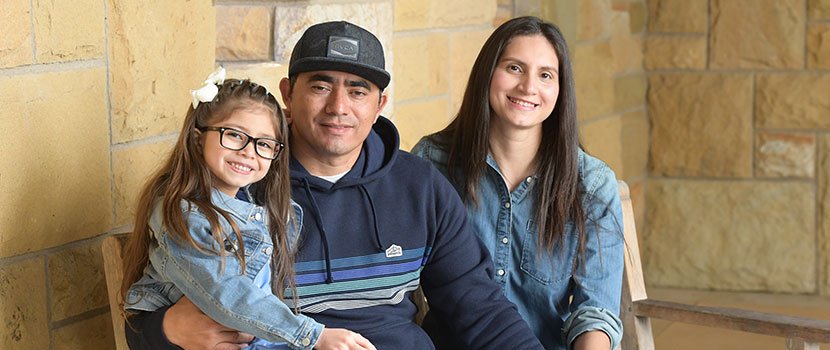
[{"x": 590, "y": 319}]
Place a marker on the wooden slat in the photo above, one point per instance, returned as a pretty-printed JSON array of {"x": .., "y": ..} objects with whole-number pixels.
[
  {"x": 800, "y": 344},
  {"x": 637, "y": 330},
  {"x": 791, "y": 327},
  {"x": 111, "y": 248}
]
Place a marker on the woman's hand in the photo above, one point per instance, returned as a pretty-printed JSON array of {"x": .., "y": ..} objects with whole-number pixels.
[{"x": 592, "y": 340}]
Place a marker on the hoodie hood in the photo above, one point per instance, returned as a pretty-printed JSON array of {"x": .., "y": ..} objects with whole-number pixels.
[{"x": 377, "y": 155}]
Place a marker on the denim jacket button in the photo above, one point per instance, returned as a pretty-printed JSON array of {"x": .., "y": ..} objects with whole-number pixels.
[
  {"x": 505, "y": 240},
  {"x": 267, "y": 250},
  {"x": 507, "y": 204},
  {"x": 258, "y": 216},
  {"x": 500, "y": 272},
  {"x": 306, "y": 342}
]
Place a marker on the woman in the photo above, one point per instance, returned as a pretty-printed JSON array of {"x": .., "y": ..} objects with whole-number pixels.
[{"x": 548, "y": 212}]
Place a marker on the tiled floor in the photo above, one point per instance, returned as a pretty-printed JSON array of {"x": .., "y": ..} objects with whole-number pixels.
[{"x": 676, "y": 336}]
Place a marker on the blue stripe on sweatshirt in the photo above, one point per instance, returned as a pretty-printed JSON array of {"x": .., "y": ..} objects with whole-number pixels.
[{"x": 360, "y": 273}]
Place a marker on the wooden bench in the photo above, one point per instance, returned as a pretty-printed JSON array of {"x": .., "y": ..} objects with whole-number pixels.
[{"x": 636, "y": 308}]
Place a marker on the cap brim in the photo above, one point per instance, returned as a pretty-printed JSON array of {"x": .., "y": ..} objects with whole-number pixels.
[{"x": 377, "y": 76}]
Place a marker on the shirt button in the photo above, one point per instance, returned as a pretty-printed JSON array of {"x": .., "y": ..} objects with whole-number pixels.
[
  {"x": 529, "y": 179},
  {"x": 500, "y": 272},
  {"x": 507, "y": 204},
  {"x": 268, "y": 250},
  {"x": 306, "y": 342},
  {"x": 505, "y": 240},
  {"x": 258, "y": 216}
]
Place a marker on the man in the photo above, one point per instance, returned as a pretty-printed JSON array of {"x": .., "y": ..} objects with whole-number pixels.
[{"x": 377, "y": 221}]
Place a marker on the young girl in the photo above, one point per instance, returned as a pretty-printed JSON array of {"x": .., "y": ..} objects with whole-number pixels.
[
  {"x": 548, "y": 212},
  {"x": 201, "y": 234}
]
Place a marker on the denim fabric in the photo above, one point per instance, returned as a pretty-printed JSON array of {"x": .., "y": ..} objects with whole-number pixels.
[
  {"x": 236, "y": 296},
  {"x": 559, "y": 302}
]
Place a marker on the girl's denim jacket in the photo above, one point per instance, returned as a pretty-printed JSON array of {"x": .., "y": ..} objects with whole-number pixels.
[
  {"x": 237, "y": 298},
  {"x": 559, "y": 302}
]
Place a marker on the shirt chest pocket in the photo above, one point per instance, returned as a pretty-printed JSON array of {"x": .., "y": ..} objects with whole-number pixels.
[
  {"x": 258, "y": 250},
  {"x": 545, "y": 265}
]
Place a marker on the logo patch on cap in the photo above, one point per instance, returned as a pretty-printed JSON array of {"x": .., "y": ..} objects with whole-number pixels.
[{"x": 342, "y": 47}]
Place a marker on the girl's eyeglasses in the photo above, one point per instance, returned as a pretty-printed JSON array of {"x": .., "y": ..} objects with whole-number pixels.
[{"x": 236, "y": 140}]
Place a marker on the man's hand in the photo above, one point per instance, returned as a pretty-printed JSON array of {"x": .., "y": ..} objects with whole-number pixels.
[{"x": 187, "y": 327}]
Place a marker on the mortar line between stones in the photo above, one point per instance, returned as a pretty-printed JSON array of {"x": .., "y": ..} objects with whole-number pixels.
[
  {"x": 32, "y": 28},
  {"x": 819, "y": 237},
  {"x": 48, "y": 295}
]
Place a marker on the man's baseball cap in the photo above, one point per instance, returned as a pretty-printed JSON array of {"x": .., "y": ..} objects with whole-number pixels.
[{"x": 340, "y": 46}]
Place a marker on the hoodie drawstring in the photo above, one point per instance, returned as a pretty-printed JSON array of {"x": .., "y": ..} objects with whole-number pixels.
[
  {"x": 374, "y": 218},
  {"x": 323, "y": 237}
]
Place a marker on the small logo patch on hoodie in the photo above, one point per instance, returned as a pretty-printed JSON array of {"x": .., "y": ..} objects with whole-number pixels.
[{"x": 394, "y": 251}]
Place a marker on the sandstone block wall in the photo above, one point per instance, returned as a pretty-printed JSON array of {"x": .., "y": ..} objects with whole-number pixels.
[
  {"x": 738, "y": 106},
  {"x": 93, "y": 92}
]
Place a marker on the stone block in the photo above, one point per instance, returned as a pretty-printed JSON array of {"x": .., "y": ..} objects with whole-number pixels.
[
  {"x": 792, "y": 101},
  {"x": 819, "y": 9},
  {"x": 25, "y": 324},
  {"x": 637, "y": 15},
  {"x": 602, "y": 139},
  {"x": 722, "y": 234},
  {"x": 267, "y": 74},
  {"x": 678, "y": 16},
  {"x": 464, "y": 48},
  {"x": 701, "y": 125},
  {"x": 824, "y": 212},
  {"x": 529, "y": 7},
  {"x": 243, "y": 33},
  {"x": 131, "y": 167},
  {"x": 675, "y": 52},
  {"x": 626, "y": 48},
  {"x": 634, "y": 145},
  {"x": 93, "y": 333},
  {"x": 155, "y": 62},
  {"x": 16, "y": 41},
  {"x": 818, "y": 46},
  {"x": 291, "y": 21},
  {"x": 594, "y": 19},
  {"x": 430, "y": 14},
  {"x": 629, "y": 91},
  {"x": 781, "y": 154},
  {"x": 68, "y": 30},
  {"x": 503, "y": 14},
  {"x": 55, "y": 170},
  {"x": 593, "y": 71},
  {"x": 420, "y": 118},
  {"x": 77, "y": 283},
  {"x": 757, "y": 34},
  {"x": 421, "y": 65}
]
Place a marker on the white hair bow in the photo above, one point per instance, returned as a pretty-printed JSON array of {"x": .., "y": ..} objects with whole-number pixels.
[{"x": 208, "y": 92}]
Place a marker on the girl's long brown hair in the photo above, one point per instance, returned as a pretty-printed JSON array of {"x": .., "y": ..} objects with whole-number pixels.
[
  {"x": 185, "y": 177},
  {"x": 557, "y": 197}
]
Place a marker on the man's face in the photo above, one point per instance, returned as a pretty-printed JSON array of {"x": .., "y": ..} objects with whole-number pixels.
[{"x": 331, "y": 113}]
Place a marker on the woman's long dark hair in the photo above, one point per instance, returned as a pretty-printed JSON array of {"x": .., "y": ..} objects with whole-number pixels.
[
  {"x": 557, "y": 196},
  {"x": 185, "y": 177}
]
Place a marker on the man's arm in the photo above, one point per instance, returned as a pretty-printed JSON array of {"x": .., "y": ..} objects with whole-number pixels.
[
  {"x": 458, "y": 283},
  {"x": 187, "y": 328}
]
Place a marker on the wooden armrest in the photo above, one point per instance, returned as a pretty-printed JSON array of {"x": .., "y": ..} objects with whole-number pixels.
[{"x": 791, "y": 327}]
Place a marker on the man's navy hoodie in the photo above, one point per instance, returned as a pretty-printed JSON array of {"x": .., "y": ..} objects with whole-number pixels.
[{"x": 391, "y": 223}]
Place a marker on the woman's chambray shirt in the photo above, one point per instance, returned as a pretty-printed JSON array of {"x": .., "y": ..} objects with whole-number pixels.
[
  {"x": 224, "y": 293},
  {"x": 558, "y": 302}
]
